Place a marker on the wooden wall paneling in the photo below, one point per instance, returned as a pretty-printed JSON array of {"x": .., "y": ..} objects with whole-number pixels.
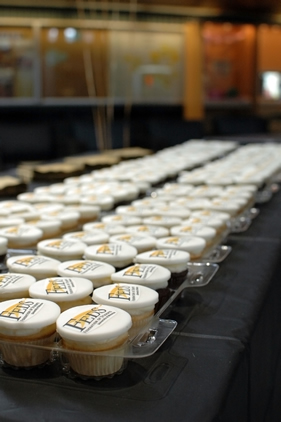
[{"x": 193, "y": 86}]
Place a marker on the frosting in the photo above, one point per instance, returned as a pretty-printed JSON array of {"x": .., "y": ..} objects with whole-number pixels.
[
  {"x": 150, "y": 275},
  {"x": 194, "y": 229},
  {"x": 38, "y": 266},
  {"x": 96, "y": 271},
  {"x": 23, "y": 317},
  {"x": 110, "y": 228},
  {"x": 61, "y": 248},
  {"x": 15, "y": 282},
  {"x": 141, "y": 243},
  {"x": 174, "y": 259},
  {"x": 88, "y": 237},
  {"x": 117, "y": 254},
  {"x": 149, "y": 230},
  {"x": 192, "y": 244},
  {"x": 61, "y": 289},
  {"x": 130, "y": 297},
  {"x": 93, "y": 323}
]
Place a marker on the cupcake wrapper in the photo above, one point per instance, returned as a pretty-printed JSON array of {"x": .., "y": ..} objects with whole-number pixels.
[
  {"x": 24, "y": 356},
  {"x": 95, "y": 365}
]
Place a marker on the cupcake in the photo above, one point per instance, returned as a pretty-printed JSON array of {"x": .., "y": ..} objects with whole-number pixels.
[
  {"x": 88, "y": 237},
  {"x": 123, "y": 220},
  {"x": 88, "y": 213},
  {"x": 117, "y": 254},
  {"x": 15, "y": 285},
  {"x": 69, "y": 218},
  {"x": 149, "y": 230},
  {"x": 22, "y": 236},
  {"x": 209, "y": 234},
  {"x": 94, "y": 338},
  {"x": 30, "y": 322},
  {"x": 61, "y": 249},
  {"x": 141, "y": 242},
  {"x": 194, "y": 245},
  {"x": 110, "y": 228},
  {"x": 67, "y": 292},
  {"x": 50, "y": 228},
  {"x": 139, "y": 301},
  {"x": 175, "y": 260},
  {"x": 98, "y": 272},
  {"x": 37, "y": 266}
]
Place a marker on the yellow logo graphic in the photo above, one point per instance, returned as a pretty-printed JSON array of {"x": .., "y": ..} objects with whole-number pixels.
[
  {"x": 134, "y": 271},
  {"x": 119, "y": 292},
  {"x": 79, "y": 235},
  {"x": 17, "y": 310},
  {"x": 79, "y": 267},
  {"x": 143, "y": 229},
  {"x": 55, "y": 286},
  {"x": 55, "y": 244},
  {"x": 99, "y": 226},
  {"x": 87, "y": 319},
  {"x": 186, "y": 229},
  {"x": 105, "y": 249},
  {"x": 13, "y": 230},
  {"x": 125, "y": 237},
  {"x": 159, "y": 253},
  {"x": 172, "y": 241},
  {"x": 25, "y": 262}
]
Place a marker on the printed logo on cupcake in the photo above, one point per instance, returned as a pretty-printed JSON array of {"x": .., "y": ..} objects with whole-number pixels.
[
  {"x": 90, "y": 319},
  {"x": 83, "y": 267},
  {"x": 124, "y": 292},
  {"x": 30, "y": 261},
  {"x": 60, "y": 286},
  {"x": 22, "y": 310},
  {"x": 7, "y": 279}
]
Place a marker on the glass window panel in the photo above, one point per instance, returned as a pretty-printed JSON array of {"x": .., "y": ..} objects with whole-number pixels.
[
  {"x": 146, "y": 66},
  {"x": 16, "y": 62},
  {"x": 74, "y": 62}
]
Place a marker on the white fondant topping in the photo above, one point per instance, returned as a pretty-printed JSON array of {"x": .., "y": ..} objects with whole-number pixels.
[
  {"x": 126, "y": 296},
  {"x": 192, "y": 244},
  {"x": 15, "y": 282},
  {"x": 93, "y": 323},
  {"x": 61, "y": 248},
  {"x": 149, "y": 230},
  {"x": 22, "y": 317},
  {"x": 150, "y": 275},
  {"x": 89, "y": 238},
  {"x": 85, "y": 268},
  {"x": 61, "y": 289},
  {"x": 115, "y": 253}
]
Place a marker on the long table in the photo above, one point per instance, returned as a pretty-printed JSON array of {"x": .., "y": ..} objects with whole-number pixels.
[{"x": 220, "y": 364}]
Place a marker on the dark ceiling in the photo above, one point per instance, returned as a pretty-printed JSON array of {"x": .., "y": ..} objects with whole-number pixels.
[{"x": 163, "y": 6}]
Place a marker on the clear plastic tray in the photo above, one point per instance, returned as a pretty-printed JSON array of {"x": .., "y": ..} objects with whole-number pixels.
[{"x": 145, "y": 344}]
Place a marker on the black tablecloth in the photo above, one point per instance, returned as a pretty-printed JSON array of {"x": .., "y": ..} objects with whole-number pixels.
[{"x": 220, "y": 364}]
